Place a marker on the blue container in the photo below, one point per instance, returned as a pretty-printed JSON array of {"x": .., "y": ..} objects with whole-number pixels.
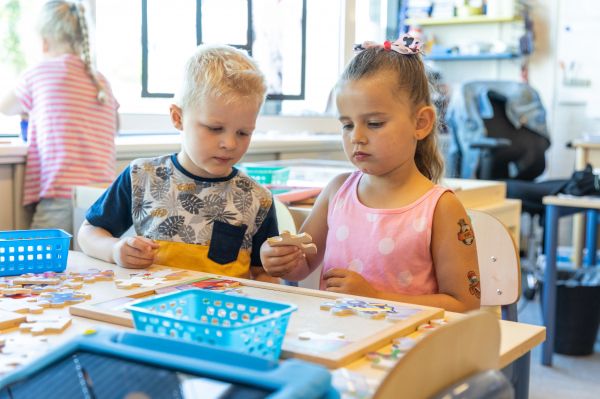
[
  {"x": 33, "y": 251},
  {"x": 263, "y": 174},
  {"x": 252, "y": 326}
]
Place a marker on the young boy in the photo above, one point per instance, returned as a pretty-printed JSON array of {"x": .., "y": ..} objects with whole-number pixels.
[{"x": 194, "y": 209}]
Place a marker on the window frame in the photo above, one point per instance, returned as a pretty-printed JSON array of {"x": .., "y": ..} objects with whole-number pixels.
[{"x": 248, "y": 47}]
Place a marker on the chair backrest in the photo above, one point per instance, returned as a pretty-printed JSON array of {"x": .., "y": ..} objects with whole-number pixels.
[
  {"x": 499, "y": 268},
  {"x": 285, "y": 220},
  {"x": 444, "y": 356}
]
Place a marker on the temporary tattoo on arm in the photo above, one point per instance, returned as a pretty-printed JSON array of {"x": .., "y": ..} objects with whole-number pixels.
[
  {"x": 465, "y": 232},
  {"x": 474, "y": 287}
]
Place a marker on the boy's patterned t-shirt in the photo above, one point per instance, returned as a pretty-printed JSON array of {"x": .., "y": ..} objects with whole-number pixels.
[{"x": 202, "y": 224}]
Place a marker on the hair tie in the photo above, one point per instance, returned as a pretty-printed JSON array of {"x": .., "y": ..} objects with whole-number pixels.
[
  {"x": 73, "y": 7},
  {"x": 406, "y": 45}
]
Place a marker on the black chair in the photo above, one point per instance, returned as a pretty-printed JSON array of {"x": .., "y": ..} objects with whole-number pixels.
[{"x": 515, "y": 155}]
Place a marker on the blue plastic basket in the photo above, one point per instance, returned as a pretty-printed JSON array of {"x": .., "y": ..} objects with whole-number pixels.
[
  {"x": 263, "y": 174},
  {"x": 33, "y": 251},
  {"x": 253, "y": 326}
]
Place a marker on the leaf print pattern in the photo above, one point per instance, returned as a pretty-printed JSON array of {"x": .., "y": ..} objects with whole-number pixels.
[
  {"x": 167, "y": 204},
  {"x": 159, "y": 189},
  {"x": 187, "y": 234},
  {"x": 171, "y": 226},
  {"x": 242, "y": 200},
  {"x": 190, "y": 203}
]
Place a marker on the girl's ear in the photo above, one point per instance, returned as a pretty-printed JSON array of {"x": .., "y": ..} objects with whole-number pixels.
[
  {"x": 425, "y": 120},
  {"x": 176, "y": 116}
]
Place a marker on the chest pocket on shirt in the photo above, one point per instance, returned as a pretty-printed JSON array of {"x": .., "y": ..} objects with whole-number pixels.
[{"x": 225, "y": 242}]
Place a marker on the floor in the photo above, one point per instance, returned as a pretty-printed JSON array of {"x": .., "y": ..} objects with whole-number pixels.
[{"x": 570, "y": 376}]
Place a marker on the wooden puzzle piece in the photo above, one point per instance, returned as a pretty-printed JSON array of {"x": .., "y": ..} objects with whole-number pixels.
[
  {"x": 20, "y": 305},
  {"x": 15, "y": 291},
  {"x": 350, "y": 306},
  {"x": 61, "y": 298},
  {"x": 37, "y": 279},
  {"x": 150, "y": 279},
  {"x": 302, "y": 241},
  {"x": 43, "y": 326},
  {"x": 91, "y": 276},
  {"x": 10, "y": 319}
]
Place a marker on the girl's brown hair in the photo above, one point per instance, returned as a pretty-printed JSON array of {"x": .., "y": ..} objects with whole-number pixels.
[
  {"x": 411, "y": 78},
  {"x": 64, "y": 23}
]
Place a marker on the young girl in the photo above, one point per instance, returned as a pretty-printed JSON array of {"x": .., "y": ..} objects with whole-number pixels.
[
  {"x": 388, "y": 231},
  {"x": 72, "y": 117}
]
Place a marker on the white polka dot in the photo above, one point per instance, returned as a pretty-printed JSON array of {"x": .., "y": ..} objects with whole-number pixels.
[
  {"x": 371, "y": 217},
  {"x": 405, "y": 278},
  {"x": 356, "y": 265},
  {"x": 342, "y": 233},
  {"x": 386, "y": 246},
  {"x": 419, "y": 224}
]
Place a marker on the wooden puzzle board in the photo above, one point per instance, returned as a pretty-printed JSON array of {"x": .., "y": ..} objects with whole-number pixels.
[{"x": 362, "y": 334}]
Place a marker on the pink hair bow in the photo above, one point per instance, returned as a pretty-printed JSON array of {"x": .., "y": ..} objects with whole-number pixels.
[{"x": 406, "y": 44}]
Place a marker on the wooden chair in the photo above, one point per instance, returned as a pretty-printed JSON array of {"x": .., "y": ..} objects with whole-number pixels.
[
  {"x": 499, "y": 266},
  {"x": 445, "y": 356}
]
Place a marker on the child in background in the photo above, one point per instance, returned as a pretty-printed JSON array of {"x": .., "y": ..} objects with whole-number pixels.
[
  {"x": 194, "y": 209},
  {"x": 72, "y": 117},
  {"x": 387, "y": 231}
]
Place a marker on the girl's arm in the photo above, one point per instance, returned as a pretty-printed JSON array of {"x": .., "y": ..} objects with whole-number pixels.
[
  {"x": 288, "y": 262},
  {"x": 454, "y": 254},
  {"x": 10, "y": 105}
]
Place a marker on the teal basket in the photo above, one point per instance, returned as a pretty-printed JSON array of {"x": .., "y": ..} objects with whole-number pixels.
[
  {"x": 277, "y": 175},
  {"x": 33, "y": 251},
  {"x": 252, "y": 326}
]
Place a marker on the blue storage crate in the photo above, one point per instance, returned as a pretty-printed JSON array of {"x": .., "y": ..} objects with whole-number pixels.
[
  {"x": 263, "y": 174},
  {"x": 253, "y": 326},
  {"x": 33, "y": 251}
]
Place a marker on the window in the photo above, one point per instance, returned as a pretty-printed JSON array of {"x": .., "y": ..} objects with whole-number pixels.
[
  {"x": 331, "y": 27},
  {"x": 272, "y": 31}
]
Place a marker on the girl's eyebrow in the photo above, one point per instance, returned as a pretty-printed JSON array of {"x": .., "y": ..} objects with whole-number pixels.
[{"x": 364, "y": 116}]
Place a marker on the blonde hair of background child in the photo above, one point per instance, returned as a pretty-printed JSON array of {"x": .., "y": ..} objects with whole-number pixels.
[
  {"x": 220, "y": 71},
  {"x": 411, "y": 78},
  {"x": 64, "y": 23}
]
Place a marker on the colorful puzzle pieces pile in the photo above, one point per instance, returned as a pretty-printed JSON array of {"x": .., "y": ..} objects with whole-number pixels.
[{"x": 372, "y": 310}]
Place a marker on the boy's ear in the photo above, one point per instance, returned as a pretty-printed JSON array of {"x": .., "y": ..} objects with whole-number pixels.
[
  {"x": 424, "y": 122},
  {"x": 176, "y": 116}
]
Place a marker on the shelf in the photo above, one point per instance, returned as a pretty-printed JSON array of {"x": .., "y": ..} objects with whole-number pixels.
[
  {"x": 474, "y": 57},
  {"x": 476, "y": 19}
]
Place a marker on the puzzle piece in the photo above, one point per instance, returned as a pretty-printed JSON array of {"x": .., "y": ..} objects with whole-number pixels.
[
  {"x": 19, "y": 305},
  {"x": 37, "y": 279},
  {"x": 302, "y": 241},
  {"x": 61, "y": 298},
  {"x": 91, "y": 276},
  {"x": 309, "y": 335},
  {"x": 19, "y": 350},
  {"x": 383, "y": 361},
  {"x": 43, "y": 326},
  {"x": 216, "y": 284},
  {"x": 10, "y": 319},
  {"x": 14, "y": 291},
  {"x": 350, "y": 306},
  {"x": 148, "y": 279}
]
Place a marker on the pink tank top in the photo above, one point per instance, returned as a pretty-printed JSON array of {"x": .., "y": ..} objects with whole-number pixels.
[{"x": 390, "y": 248}]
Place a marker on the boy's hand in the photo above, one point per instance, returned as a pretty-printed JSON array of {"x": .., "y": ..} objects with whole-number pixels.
[
  {"x": 281, "y": 260},
  {"x": 348, "y": 282},
  {"x": 134, "y": 252}
]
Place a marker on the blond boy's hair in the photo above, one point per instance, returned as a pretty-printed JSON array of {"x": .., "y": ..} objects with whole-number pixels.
[
  {"x": 64, "y": 23},
  {"x": 220, "y": 71}
]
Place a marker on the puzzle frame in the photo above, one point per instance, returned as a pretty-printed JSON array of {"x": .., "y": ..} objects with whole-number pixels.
[{"x": 364, "y": 335}]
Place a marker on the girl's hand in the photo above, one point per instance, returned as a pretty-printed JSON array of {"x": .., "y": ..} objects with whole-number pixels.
[
  {"x": 348, "y": 282},
  {"x": 134, "y": 252},
  {"x": 281, "y": 260}
]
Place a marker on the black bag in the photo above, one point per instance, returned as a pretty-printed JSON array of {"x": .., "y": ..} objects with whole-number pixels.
[{"x": 583, "y": 182}]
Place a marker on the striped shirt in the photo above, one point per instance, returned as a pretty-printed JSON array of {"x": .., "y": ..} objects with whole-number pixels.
[{"x": 71, "y": 135}]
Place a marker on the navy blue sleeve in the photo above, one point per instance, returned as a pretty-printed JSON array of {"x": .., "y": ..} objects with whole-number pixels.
[
  {"x": 267, "y": 229},
  {"x": 112, "y": 211}
]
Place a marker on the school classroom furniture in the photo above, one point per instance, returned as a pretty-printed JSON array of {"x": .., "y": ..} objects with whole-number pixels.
[
  {"x": 516, "y": 339},
  {"x": 557, "y": 206}
]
